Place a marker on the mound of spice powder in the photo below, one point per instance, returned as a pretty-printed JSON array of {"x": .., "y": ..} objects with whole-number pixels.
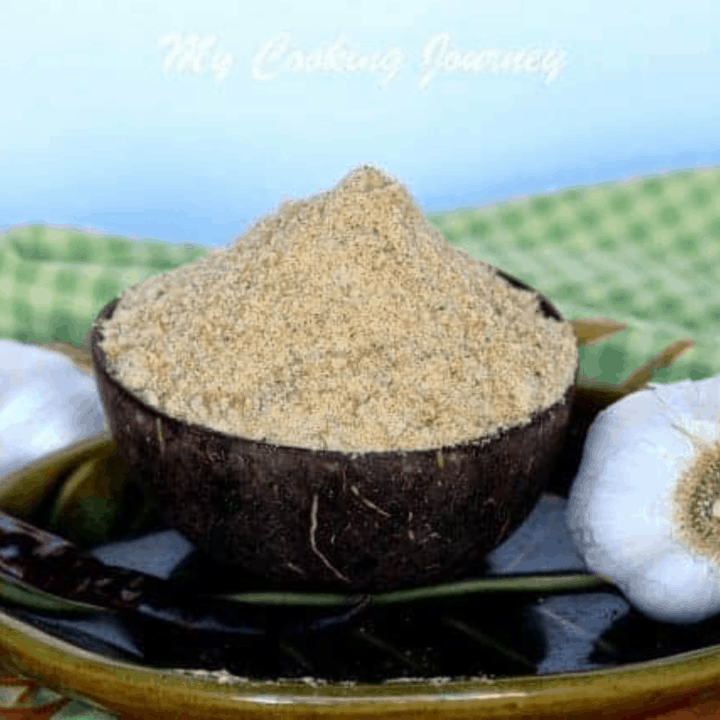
[{"x": 341, "y": 322}]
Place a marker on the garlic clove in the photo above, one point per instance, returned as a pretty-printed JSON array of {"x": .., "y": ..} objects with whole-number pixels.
[
  {"x": 698, "y": 400},
  {"x": 677, "y": 588},
  {"x": 614, "y": 541}
]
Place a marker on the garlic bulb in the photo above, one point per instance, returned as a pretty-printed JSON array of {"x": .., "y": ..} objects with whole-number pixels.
[
  {"x": 46, "y": 403},
  {"x": 644, "y": 508}
]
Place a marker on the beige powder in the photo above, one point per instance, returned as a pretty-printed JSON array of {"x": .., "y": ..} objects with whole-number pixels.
[{"x": 342, "y": 322}]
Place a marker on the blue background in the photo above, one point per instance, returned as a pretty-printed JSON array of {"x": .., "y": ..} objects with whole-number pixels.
[{"x": 96, "y": 132}]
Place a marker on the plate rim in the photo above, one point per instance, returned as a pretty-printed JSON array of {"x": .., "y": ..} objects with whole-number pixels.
[{"x": 127, "y": 687}]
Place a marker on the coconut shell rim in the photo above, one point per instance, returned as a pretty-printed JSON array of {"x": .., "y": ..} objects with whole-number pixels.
[{"x": 546, "y": 306}]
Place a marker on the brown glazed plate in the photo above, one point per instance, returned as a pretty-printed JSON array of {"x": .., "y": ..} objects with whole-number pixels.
[{"x": 526, "y": 650}]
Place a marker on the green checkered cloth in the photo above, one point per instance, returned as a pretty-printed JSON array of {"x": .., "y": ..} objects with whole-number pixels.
[
  {"x": 644, "y": 252},
  {"x": 54, "y": 281}
]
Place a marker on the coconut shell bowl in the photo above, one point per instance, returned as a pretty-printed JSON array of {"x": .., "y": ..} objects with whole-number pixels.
[{"x": 328, "y": 520}]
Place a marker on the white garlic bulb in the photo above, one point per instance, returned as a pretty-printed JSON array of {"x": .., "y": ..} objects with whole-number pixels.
[
  {"x": 46, "y": 403},
  {"x": 644, "y": 509}
]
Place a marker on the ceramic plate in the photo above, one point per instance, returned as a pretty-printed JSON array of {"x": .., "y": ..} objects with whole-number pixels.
[{"x": 456, "y": 651}]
